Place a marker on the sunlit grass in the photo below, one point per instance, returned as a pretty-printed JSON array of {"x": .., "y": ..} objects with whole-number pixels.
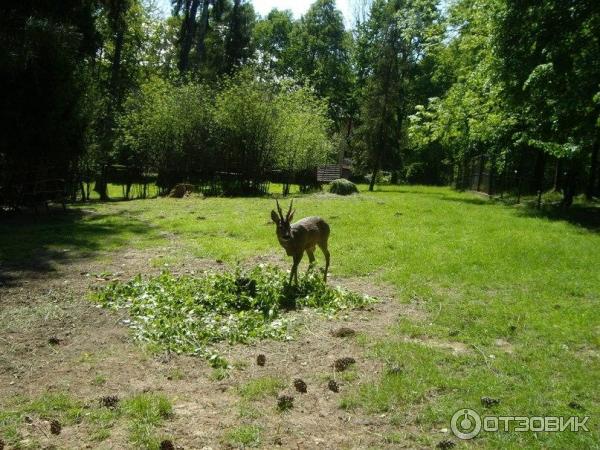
[
  {"x": 141, "y": 414},
  {"x": 259, "y": 388},
  {"x": 243, "y": 435},
  {"x": 518, "y": 289}
]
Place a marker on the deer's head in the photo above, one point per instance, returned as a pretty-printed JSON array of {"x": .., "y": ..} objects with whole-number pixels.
[{"x": 284, "y": 229}]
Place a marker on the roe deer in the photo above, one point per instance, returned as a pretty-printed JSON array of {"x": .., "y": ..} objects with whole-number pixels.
[{"x": 304, "y": 235}]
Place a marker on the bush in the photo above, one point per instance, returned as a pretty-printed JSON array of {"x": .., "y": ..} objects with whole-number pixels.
[
  {"x": 245, "y": 127},
  {"x": 343, "y": 187}
]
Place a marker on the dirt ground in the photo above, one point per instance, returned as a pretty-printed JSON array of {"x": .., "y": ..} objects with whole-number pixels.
[{"x": 41, "y": 304}]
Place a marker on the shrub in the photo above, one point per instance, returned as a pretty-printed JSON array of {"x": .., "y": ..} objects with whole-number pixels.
[{"x": 343, "y": 187}]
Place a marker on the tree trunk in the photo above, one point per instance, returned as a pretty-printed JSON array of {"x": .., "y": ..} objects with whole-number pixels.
[
  {"x": 101, "y": 186},
  {"x": 491, "y": 178},
  {"x": 556, "y": 175},
  {"x": 188, "y": 28},
  {"x": 202, "y": 32},
  {"x": 591, "y": 187},
  {"x": 115, "y": 79},
  {"x": 374, "y": 177},
  {"x": 480, "y": 174},
  {"x": 570, "y": 187},
  {"x": 540, "y": 168}
]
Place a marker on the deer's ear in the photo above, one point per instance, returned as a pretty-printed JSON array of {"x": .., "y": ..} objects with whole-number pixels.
[
  {"x": 274, "y": 216},
  {"x": 291, "y": 216}
]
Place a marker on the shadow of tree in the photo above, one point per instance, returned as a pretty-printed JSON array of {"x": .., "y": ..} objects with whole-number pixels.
[
  {"x": 587, "y": 217},
  {"x": 469, "y": 201},
  {"x": 31, "y": 243}
]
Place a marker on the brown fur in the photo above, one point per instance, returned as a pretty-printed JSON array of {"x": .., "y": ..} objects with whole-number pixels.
[{"x": 301, "y": 236}]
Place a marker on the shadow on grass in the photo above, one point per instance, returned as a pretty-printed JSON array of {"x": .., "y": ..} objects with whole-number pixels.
[
  {"x": 469, "y": 201},
  {"x": 582, "y": 215},
  {"x": 33, "y": 244},
  {"x": 587, "y": 217}
]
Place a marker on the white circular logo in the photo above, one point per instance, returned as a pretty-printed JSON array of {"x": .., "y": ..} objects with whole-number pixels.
[{"x": 465, "y": 424}]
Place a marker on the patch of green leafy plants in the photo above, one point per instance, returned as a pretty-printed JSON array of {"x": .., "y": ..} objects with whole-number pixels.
[{"x": 186, "y": 313}]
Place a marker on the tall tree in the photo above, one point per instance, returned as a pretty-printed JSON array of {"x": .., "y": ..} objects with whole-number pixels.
[
  {"x": 272, "y": 36},
  {"x": 391, "y": 45},
  {"x": 238, "y": 44},
  {"x": 321, "y": 53},
  {"x": 122, "y": 24},
  {"x": 45, "y": 52},
  {"x": 188, "y": 29},
  {"x": 549, "y": 66},
  {"x": 470, "y": 117}
]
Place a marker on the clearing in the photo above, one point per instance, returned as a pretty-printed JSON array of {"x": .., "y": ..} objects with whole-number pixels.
[{"x": 477, "y": 300}]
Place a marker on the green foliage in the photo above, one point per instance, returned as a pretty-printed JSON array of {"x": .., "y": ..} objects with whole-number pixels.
[
  {"x": 343, "y": 187},
  {"x": 43, "y": 67},
  {"x": 392, "y": 52},
  {"x": 320, "y": 52},
  {"x": 245, "y": 120},
  {"x": 473, "y": 113},
  {"x": 518, "y": 83},
  {"x": 272, "y": 36},
  {"x": 166, "y": 128},
  {"x": 187, "y": 313},
  {"x": 247, "y": 126},
  {"x": 214, "y": 38},
  {"x": 302, "y": 132}
]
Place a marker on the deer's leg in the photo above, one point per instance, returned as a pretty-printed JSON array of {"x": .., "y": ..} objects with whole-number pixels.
[
  {"x": 311, "y": 257},
  {"x": 326, "y": 253},
  {"x": 294, "y": 273}
]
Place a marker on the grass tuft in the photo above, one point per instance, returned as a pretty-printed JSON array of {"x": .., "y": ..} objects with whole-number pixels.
[
  {"x": 259, "y": 388},
  {"x": 145, "y": 412},
  {"x": 244, "y": 436}
]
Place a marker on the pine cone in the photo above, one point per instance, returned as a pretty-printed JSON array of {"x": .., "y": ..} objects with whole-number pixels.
[
  {"x": 55, "y": 427},
  {"x": 333, "y": 386},
  {"x": 488, "y": 402},
  {"x": 343, "y": 332},
  {"x": 285, "y": 402},
  {"x": 110, "y": 401},
  {"x": 261, "y": 360},
  {"x": 53, "y": 340},
  {"x": 343, "y": 363},
  {"x": 167, "y": 445},
  {"x": 300, "y": 385},
  {"x": 446, "y": 444}
]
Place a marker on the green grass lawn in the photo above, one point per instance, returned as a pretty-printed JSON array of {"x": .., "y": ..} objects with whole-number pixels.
[{"x": 519, "y": 290}]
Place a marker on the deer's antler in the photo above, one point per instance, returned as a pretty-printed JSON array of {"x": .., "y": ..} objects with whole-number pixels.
[
  {"x": 279, "y": 209},
  {"x": 287, "y": 216}
]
